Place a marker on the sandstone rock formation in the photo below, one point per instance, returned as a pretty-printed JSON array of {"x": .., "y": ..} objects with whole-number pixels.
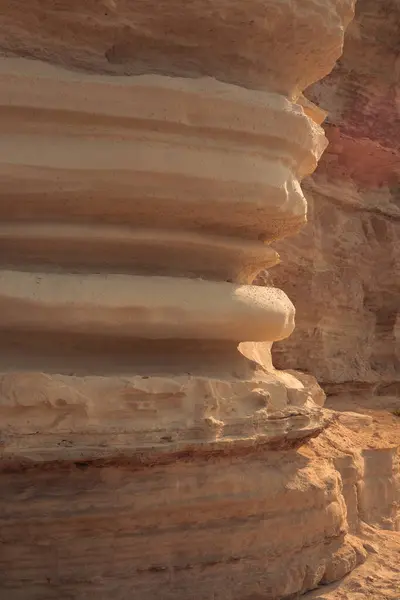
[
  {"x": 149, "y": 156},
  {"x": 347, "y": 258},
  {"x": 348, "y": 255},
  {"x": 109, "y": 236}
]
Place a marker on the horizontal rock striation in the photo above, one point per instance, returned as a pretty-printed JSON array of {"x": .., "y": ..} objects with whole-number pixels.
[
  {"x": 225, "y": 527},
  {"x": 261, "y": 44},
  {"x": 142, "y": 222},
  {"x": 149, "y": 156}
]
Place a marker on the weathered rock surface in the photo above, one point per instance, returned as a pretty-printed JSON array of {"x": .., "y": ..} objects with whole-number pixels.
[
  {"x": 149, "y": 154},
  {"x": 343, "y": 270},
  {"x": 367, "y": 458},
  {"x": 343, "y": 273},
  {"x": 225, "y": 527},
  {"x": 109, "y": 236},
  {"x": 234, "y": 41}
]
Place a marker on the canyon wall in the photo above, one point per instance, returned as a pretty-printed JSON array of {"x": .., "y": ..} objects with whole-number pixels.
[{"x": 343, "y": 270}]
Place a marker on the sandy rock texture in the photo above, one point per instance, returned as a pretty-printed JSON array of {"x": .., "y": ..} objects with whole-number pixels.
[
  {"x": 138, "y": 199},
  {"x": 376, "y": 579},
  {"x": 227, "y": 526},
  {"x": 225, "y": 523},
  {"x": 235, "y": 42},
  {"x": 130, "y": 241},
  {"x": 150, "y": 153},
  {"x": 364, "y": 446},
  {"x": 343, "y": 270}
]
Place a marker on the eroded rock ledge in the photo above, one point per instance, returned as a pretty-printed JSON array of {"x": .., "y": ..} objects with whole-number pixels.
[{"x": 129, "y": 243}]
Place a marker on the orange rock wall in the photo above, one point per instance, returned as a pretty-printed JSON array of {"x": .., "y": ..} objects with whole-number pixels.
[{"x": 342, "y": 271}]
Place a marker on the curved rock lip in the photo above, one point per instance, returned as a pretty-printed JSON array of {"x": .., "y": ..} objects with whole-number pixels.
[
  {"x": 143, "y": 307},
  {"x": 301, "y": 39},
  {"x": 202, "y": 106},
  {"x": 106, "y": 449},
  {"x": 170, "y": 152},
  {"x": 145, "y": 420},
  {"x": 125, "y": 249}
]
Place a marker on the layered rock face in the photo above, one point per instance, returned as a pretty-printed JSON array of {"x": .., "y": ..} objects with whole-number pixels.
[
  {"x": 348, "y": 256},
  {"x": 128, "y": 244},
  {"x": 149, "y": 156}
]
